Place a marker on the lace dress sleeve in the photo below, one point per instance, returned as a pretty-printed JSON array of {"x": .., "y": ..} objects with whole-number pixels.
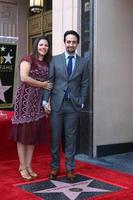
[{"x": 28, "y": 58}]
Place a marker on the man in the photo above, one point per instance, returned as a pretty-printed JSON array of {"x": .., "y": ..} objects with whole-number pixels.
[{"x": 69, "y": 74}]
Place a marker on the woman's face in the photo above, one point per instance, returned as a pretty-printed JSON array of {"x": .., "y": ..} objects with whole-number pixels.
[{"x": 42, "y": 48}]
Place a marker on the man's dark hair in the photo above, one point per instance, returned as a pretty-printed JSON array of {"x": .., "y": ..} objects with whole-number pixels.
[
  {"x": 72, "y": 32},
  {"x": 47, "y": 57}
]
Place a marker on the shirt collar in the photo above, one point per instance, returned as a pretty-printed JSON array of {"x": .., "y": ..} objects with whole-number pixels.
[{"x": 66, "y": 55}]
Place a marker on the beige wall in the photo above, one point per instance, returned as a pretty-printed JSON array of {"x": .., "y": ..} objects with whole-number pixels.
[
  {"x": 22, "y": 27},
  {"x": 22, "y": 32},
  {"x": 66, "y": 16},
  {"x": 113, "y": 72}
]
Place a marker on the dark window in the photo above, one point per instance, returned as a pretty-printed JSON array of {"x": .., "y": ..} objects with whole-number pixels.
[
  {"x": 85, "y": 138},
  {"x": 47, "y": 5},
  {"x": 86, "y": 26}
]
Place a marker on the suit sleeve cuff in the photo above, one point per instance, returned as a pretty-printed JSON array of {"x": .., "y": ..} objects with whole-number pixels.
[
  {"x": 44, "y": 103},
  {"x": 82, "y": 105}
]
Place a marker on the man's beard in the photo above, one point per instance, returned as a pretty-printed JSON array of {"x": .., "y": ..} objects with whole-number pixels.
[{"x": 70, "y": 50}]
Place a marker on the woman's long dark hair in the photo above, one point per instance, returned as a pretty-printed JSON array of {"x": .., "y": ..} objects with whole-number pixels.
[{"x": 48, "y": 56}]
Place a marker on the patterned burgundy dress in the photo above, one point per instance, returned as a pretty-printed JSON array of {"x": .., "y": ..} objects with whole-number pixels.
[{"x": 28, "y": 123}]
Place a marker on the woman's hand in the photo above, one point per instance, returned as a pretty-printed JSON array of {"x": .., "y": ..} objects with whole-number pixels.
[
  {"x": 47, "y": 85},
  {"x": 47, "y": 108}
]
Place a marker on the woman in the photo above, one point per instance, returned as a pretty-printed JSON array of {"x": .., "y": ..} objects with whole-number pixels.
[{"x": 28, "y": 121}]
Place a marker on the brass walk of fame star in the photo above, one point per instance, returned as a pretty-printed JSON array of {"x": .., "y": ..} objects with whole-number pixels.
[
  {"x": 72, "y": 191},
  {"x": 2, "y": 90}
]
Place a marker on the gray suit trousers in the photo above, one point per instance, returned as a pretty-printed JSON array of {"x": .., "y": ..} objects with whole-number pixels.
[{"x": 67, "y": 120}]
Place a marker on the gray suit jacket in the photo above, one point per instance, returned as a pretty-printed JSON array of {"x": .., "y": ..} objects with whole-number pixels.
[{"x": 77, "y": 83}]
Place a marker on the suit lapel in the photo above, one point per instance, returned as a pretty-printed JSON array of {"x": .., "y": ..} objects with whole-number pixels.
[
  {"x": 64, "y": 67},
  {"x": 63, "y": 61}
]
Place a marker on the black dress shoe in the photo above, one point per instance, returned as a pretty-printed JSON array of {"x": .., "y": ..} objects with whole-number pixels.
[
  {"x": 71, "y": 176},
  {"x": 54, "y": 173}
]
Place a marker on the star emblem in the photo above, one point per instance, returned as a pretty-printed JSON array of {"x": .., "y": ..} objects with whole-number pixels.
[
  {"x": 2, "y": 90},
  {"x": 3, "y": 48},
  {"x": 72, "y": 191},
  {"x": 8, "y": 58}
]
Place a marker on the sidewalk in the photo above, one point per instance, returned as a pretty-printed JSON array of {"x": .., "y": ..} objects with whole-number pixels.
[{"x": 121, "y": 162}]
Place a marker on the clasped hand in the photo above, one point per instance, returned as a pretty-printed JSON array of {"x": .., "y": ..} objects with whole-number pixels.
[
  {"x": 48, "y": 85},
  {"x": 47, "y": 108}
]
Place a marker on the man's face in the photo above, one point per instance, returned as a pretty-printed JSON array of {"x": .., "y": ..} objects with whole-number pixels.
[{"x": 71, "y": 43}]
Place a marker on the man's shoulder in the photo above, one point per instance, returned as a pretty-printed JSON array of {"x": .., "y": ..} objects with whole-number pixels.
[
  {"x": 59, "y": 55},
  {"x": 58, "y": 58},
  {"x": 81, "y": 58}
]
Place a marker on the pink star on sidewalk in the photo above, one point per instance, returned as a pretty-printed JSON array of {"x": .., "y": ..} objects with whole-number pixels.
[{"x": 72, "y": 191}]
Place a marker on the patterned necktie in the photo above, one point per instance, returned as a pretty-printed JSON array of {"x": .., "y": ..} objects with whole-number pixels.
[{"x": 69, "y": 66}]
